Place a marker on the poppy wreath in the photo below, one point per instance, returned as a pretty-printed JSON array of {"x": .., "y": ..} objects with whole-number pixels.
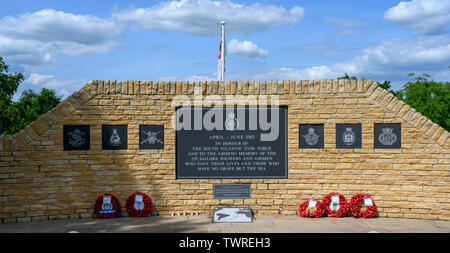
[
  {"x": 343, "y": 208},
  {"x": 144, "y": 211},
  {"x": 115, "y": 211},
  {"x": 355, "y": 209},
  {"x": 304, "y": 211}
]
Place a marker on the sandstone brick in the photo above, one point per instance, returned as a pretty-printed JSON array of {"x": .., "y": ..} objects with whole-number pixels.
[
  {"x": 409, "y": 114},
  {"x": 47, "y": 175},
  {"x": 434, "y": 127},
  {"x": 442, "y": 139},
  {"x": 428, "y": 124},
  {"x": 370, "y": 87},
  {"x": 383, "y": 94}
]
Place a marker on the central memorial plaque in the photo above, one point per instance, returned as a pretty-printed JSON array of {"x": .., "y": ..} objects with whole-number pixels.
[{"x": 231, "y": 142}]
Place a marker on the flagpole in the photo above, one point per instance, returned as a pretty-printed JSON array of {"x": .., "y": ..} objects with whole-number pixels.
[{"x": 223, "y": 51}]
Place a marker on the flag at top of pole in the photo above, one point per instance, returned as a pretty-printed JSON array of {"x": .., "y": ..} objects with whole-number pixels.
[{"x": 222, "y": 54}]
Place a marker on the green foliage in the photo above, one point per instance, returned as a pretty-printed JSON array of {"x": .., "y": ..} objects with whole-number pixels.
[
  {"x": 430, "y": 98},
  {"x": 387, "y": 85},
  {"x": 8, "y": 86},
  {"x": 346, "y": 76},
  {"x": 16, "y": 115},
  {"x": 30, "y": 106}
]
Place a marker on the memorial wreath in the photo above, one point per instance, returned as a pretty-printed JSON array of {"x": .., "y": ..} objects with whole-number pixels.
[
  {"x": 107, "y": 206},
  {"x": 313, "y": 210},
  {"x": 139, "y": 204},
  {"x": 335, "y": 208},
  {"x": 369, "y": 205}
]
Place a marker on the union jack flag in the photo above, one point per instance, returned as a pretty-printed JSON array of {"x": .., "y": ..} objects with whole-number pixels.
[{"x": 222, "y": 54}]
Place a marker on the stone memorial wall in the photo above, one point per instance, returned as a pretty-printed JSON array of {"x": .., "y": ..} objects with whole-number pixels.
[{"x": 120, "y": 137}]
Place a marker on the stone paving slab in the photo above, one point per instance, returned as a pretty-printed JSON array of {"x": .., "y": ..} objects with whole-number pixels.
[{"x": 204, "y": 224}]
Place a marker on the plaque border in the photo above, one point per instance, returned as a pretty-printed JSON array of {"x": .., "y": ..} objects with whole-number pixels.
[
  {"x": 108, "y": 147},
  {"x": 286, "y": 148},
  {"x": 320, "y": 145},
  {"x": 67, "y": 147},
  {"x": 141, "y": 146},
  {"x": 378, "y": 145},
  {"x": 353, "y": 146}
]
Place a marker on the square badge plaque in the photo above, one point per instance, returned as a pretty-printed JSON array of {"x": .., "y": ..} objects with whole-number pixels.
[
  {"x": 151, "y": 136},
  {"x": 114, "y": 137},
  {"x": 348, "y": 136},
  {"x": 387, "y": 135},
  {"x": 76, "y": 137},
  {"x": 311, "y": 136}
]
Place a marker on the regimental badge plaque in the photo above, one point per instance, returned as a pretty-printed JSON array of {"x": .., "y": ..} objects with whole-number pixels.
[
  {"x": 114, "y": 137},
  {"x": 348, "y": 136},
  {"x": 387, "y": 135},
  {"x": 311, "y": 136},
  {"x": 151, "y": 136},
  {"x": 76, "y": 137}
]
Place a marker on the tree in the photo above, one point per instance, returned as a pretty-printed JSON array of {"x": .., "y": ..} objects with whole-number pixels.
[
  {"x": 346, "y": 76},
  {"x": 8, "y": 86},
  {"x": 16, "y": 115},
  {"x": 387, "y": 85},
  {"x": 430, "y": 98},
  {"x": 30, "y": 106}
]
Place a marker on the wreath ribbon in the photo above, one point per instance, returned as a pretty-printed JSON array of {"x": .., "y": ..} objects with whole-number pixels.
[{"x": 112, "y": 212}]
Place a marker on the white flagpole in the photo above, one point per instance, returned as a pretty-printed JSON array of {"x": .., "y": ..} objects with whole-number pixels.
[{"x": 221, "y": 67}]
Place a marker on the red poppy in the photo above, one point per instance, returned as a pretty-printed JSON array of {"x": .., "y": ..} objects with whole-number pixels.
[
  {"x": 343, "y": 205},
  {"x": 356, "y": 210},
  {"x": 107, "y": 210},
  {"x": 139, "y": 204},
  {"x": 314, "y": 213}
]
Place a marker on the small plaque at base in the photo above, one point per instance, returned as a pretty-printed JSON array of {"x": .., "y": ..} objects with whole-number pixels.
[{"x": 232, "y": 214}]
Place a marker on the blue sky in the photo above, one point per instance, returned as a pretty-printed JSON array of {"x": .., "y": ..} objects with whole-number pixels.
[{"x": 64, "y": 44}]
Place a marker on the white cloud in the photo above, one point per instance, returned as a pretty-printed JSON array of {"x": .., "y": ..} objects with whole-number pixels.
[
  {"x": 37, "y": 79},
  {"x": 313, "y": 47},
  {"x": 204, "y": 16},
  {"x": 64, "y": 87},
  {"x": 385, "y": 60},
  {"x": 199, "y": 77},
  {"x": 38, "y": 37},
  {"x": 422, "y": 16},
  {"x": 160, "y": 47},
  {"x": 245, "y": 48}
]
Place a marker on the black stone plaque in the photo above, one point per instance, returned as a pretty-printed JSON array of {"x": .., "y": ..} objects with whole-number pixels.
[
  {"x": 238, "y": 142},
  {"x": 232, "y": 191},
  {"x": 348, "y": 136},
  {"x": 76, "y": 137},
  {"x": 311, "y": 136},
  {"x": 151, "y": 136},
  {"x": 114, "y": 137},
  {"x": 387, "y": 135}
]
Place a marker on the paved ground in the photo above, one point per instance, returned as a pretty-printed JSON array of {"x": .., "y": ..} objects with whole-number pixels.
[{"x": 203, "y": 224}]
